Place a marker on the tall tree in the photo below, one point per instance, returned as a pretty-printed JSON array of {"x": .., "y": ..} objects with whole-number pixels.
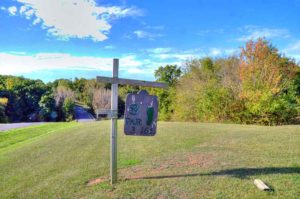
[{"x": 266, "y": 79}]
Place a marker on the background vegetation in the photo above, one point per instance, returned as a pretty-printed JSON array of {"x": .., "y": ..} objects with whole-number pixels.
[{"x": 259, "y": 85}]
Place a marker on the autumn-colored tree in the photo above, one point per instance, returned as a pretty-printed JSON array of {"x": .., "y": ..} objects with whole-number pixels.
[
  {"x": 3, "y": 103},
  {"x": 65, "y": 102},
  {"x": 61, "y": 93},
  {"x": 101, "y": 99},
  {"x": 266, "y": 79}
]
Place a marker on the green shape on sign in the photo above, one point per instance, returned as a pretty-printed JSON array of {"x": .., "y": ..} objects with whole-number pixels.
[{"x": 150, "y": 114}]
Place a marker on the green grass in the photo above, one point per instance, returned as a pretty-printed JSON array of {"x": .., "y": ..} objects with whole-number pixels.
[{"x": 184, "y": 160}]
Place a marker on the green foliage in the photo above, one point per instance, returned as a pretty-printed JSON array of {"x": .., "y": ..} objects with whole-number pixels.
[
  {"x": 297, "y": 83},
  {"x": 47, "y": 107},
  {"x": 68, "y": 109},
  {"x": 3, "y": 117},
  {"x": 170, "y": 75},
  {"x": 23, "y": 97},
  {"x": 261, "y": 86},
  {"x": 200, "y": 95},
  {"x": 267, "y": 84}
]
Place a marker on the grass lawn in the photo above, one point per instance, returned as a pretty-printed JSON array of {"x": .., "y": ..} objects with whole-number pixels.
[{"x": 184, "y": 160}]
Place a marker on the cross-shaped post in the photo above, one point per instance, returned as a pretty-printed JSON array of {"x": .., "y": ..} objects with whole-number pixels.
[{"x": 115, "y": 80}]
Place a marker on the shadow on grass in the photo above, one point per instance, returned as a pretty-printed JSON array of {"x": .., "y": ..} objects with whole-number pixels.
[{"x": 242, "y": 173}]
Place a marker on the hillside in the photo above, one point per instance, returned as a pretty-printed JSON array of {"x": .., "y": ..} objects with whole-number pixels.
[{"x": 184, "y": 160}]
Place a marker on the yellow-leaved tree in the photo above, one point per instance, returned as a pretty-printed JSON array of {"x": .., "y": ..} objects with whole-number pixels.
[{"x": 266, "y": 84}]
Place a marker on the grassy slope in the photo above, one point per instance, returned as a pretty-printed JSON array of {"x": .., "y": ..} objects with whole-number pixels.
[{"x": 184, "y": 160}]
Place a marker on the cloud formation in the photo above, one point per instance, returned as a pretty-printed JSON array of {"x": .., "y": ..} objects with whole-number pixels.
[
  {"x": 12, "y": 10},
  {"x": 255, "y": 32},
  {"x": 293, "y": 50},
  {"x": 73, "y": 18},
  {"x": 141, "y": 34},
  {"x": 21, "y": 63}
]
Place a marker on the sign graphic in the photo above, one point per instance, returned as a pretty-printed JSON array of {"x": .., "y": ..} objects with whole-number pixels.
[{"x": 141, "y": 111}]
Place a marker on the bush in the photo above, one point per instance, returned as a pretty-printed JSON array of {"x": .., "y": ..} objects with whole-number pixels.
[{"x": 68, "y": 109}]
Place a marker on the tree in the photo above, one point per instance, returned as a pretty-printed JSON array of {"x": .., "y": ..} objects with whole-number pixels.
[
  {"x": 68, "y": 109},
  {"x": 101, "y": 99},
  {"x": 23, "y": 97},
  {"x": 48, "y": 107},
  {"x": 200, "y": 95},
  {"x": 61, "y": 94},
  {"x": 3, "y": 103},
  {"x": 170, "y": 75},
  {"x": 266, "y": 80}
]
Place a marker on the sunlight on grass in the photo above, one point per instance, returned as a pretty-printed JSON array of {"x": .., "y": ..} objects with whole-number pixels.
[{"x": 184, "y": 160}]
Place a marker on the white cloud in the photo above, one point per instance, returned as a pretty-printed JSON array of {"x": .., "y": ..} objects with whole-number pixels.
[
  {"x": 74, "y": 18},
  {"x": 23, "y": 9},
  {"x": 231, "y": 51},
  {"x": 2, "y": 8},
  {"x": 255, "y": 32},
  {"x": 20, "y": 63},
  {"x": 215, "y": 52},
  {"x": 295, "y": 47},
  {"x": 36, "y": 21},
  {"x": 176, "y": 56},
  {"x": 159, "y": 50},
  {"x": 172, "y": 54},
  {"x": 12, "y": 10},
  {"x": 293, "y": 50},
  {"x": 29, "y": 13},
  {"x": 141, "y": 34},
  {"x": 123, "y": 12},
  {"x": 109, "y": 47}
]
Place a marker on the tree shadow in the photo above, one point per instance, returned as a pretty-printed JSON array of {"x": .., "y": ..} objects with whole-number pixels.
[{"x": 241, "y": 173}]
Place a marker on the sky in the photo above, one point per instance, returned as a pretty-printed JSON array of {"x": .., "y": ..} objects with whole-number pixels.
[{"x": 51, "y": 39}]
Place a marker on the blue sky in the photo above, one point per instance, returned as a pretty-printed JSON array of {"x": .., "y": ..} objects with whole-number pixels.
[{"x": 50, "y": 39}]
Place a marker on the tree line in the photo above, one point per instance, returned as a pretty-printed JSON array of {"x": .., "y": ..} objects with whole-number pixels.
[
  {"x": 258, "y": 86},
  {"x": 23, "y": 100}
]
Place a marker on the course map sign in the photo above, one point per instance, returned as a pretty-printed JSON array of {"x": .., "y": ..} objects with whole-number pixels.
[{"x": 141, "y": 112}]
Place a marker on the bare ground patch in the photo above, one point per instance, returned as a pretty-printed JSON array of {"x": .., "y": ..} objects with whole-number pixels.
[{"x": 157, "y": 167}]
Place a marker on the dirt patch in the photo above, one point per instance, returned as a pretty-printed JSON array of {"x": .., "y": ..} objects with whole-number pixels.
[
  {"x": 184, "y": 161},
  {"x": 96, "y": 181}
]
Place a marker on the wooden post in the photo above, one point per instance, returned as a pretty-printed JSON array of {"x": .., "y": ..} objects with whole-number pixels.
[{"x": 114, "y": 125}]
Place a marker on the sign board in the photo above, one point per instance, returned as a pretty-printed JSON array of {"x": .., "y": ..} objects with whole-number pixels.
[{"x": 141, "y": 111}]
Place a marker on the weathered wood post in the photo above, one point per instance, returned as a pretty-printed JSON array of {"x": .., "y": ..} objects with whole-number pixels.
[{"x": 114, "y": 124}]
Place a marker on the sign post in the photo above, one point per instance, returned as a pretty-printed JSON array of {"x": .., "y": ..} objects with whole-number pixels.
[
  {"x": 115, "y": 80},
  {"x": 114, "y": 124}
]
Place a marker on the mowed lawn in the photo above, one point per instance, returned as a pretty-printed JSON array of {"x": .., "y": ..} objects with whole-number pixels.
[{"x": 184, "y": 160}]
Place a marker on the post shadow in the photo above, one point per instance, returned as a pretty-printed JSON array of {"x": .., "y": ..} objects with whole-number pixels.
[{"x": 241, "y": 173}]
